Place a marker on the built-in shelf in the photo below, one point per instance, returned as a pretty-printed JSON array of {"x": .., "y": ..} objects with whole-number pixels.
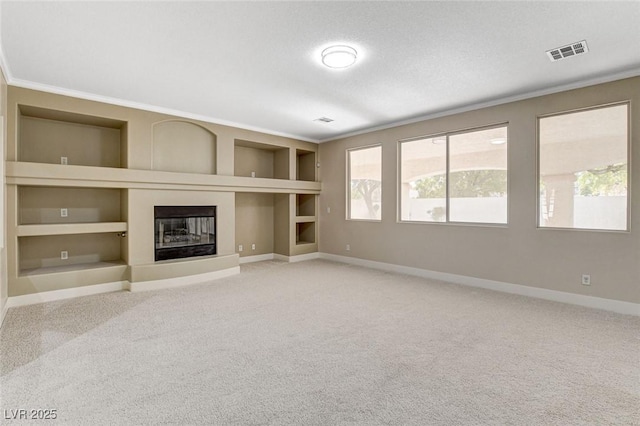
[
  {"x": 70, "y": 229},
  {"x": 51, "y": 205},
  {"x": 305, "y": 233},
  {"x": 59, "y": 137},
  {"x": 305, "y": 165},
  {"x": 117, "y": 267},
  {"x": 301, "y": 219},
  {"x": 258, "y": 160},
  {"x": 70, "y": 251},
  {"x": 77, "y": 180},
  {"x": 305, "y": 205},
  {"x": 52, "y": 175}
]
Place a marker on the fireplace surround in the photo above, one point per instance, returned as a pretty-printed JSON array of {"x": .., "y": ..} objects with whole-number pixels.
[{"x": 184, "y": 231}]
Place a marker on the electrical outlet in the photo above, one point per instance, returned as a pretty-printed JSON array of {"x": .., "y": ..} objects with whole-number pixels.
[
  {"x": 253, "y": 246},
  {"x": 328, "y": 210},
  {"x": 64, "y": 255},
  {"x": 586, "y": 279},
  {"x": 64, "y": 213},
  {"x": 64, "y": 161},
  {"x": 240, "y": 248},
  {"x": 253, "y": 174},
  {"x": 348, "y": 247}
]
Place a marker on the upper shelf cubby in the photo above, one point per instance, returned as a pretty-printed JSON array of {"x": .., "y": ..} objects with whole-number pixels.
[
  {"x": 306, "y": 165},
  {"x": 59, "y": 137},
  {"x": 259, "y": 160}
]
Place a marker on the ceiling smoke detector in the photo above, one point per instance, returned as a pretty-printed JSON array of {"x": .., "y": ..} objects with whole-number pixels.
[
  {"x": 573, "y": 49},
  {"x": 324, "y": 119}
]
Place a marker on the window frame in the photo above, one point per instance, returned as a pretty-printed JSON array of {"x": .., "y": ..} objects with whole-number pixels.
[
  {"x": 348, "y": 152},
  {"x": 539, "y": 117},
  {"x": 447, "y": 135}
]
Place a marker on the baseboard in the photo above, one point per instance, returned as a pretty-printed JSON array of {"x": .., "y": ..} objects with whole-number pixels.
[
  {"x": 66, "y": 293},
  {"x": 298, "y": 258},
  {"x": 256, "y": 258},
  {"x": 617, "y": 306},
  {"x": 275, "y": 256},
  {"x": 183, "y": 281},
  {"x": 3, "y": 313}
]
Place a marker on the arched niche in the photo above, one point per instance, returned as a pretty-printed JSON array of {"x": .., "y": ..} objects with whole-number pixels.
[{"x": 180, "y": 146}]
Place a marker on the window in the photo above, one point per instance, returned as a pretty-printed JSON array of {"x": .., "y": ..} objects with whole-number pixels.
[
  {"x": 365, "y": 183},
  {"x": 583, "y": 169},
  {"x": 455, "y": 177}
]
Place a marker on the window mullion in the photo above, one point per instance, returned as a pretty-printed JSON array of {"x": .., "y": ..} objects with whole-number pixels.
[{"x": 447, "y": 204}]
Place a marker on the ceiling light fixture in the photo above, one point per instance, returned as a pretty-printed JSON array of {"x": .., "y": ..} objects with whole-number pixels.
[
  {"x": 498, "y": 141},
  {"x": 339, "y": 56}
]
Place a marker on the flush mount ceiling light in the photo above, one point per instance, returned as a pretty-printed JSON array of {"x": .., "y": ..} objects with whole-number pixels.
[
  {"x": 339, "y": 56},
  {"x": 498, "y": 141}
]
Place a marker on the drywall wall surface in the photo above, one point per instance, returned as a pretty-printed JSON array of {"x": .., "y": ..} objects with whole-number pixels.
[
  {"x": 283, "y": 240},
  {"x": 254, "y": 223},
  {"x": 517, "y": 253},
  {"x": 4, "y": 286},
  {"x": 180, "y": 146}
]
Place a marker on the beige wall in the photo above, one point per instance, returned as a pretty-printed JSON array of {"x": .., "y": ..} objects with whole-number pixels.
[
  {"x": 519, "y": 253},
  {"x": 254, "y": 223},
  {"x": 179, "y": 146},
  {"x": 4, "y": 291}
]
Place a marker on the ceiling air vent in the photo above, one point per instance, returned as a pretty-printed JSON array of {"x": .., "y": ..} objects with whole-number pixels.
[
  {"x": 573, "y": 49},
  {"x": 324, "y": 119}
]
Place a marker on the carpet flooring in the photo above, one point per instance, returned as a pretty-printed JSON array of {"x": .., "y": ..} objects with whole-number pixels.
[{"x": 320, "y": 343}]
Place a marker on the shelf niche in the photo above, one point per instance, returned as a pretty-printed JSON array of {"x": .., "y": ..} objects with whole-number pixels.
[
  {"x": 253, "y": 159},
  {"x": 42, "y": 205},
  {"x": 42, "y": 254},
  {"x": 49, "y": 136},
  {"x": 180, "y": 146},
  {"x": 306, "y": 165},
  {"x": 305, "y": 233},
  {"x": 305, "y": 205}
]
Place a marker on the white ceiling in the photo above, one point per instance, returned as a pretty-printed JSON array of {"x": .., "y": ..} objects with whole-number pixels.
[{"x": 256, "y": 64}]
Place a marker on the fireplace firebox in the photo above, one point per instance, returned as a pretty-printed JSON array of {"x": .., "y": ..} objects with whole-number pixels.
[{"x": 184, "y": 231}]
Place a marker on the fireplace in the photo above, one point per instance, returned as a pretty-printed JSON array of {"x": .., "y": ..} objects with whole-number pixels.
[{"x": 184, "y": 231}]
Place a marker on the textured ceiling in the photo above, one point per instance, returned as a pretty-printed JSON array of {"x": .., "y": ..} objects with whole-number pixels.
[{"x": 256, "y": 64}]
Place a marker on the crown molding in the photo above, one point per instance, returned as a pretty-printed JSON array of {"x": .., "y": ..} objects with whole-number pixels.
[
  {"x": 634, "y": 72},
  {"x": 26, "y": 84},
  {"x": 4, "y": 67}
]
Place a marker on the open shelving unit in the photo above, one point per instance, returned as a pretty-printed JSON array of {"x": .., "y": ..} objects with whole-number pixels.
[
  {"x": 259, "y": 160},
  {"x": 82, "y": 178},
  {"x": 305, "y": 165},
  {"x": 305, "y": 233},
  {"x": 42, "y": 254},
  {"x": 65, "y": 234},
  {"x": 60, "y": 137}
]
